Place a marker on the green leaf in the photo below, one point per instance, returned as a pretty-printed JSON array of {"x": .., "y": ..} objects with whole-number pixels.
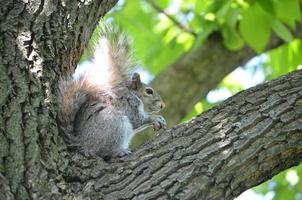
[
  {"x": 231, "y": 38},
  {"x": 255, "y": 27},
  {"x": 202, "y": 35},
  {"x": 284, "y": 59},
  {"x": 288, "y": 11},
  {"x": 223, "y": 11},
  {"x": 281, "y": 30},
  {"x": 232, "y": 17},
  {"x": 267, "y": 5},
  {"x": 199, "y": 6},
  {"x": 284, "y": 194},
  {"x": 262, "y": 188},
  {"x": 199, "y": 108},
  {"x": 163, "y": 3}
]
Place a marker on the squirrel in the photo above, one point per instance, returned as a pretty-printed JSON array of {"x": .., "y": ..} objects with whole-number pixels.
[{"x": 102, "y": 107}]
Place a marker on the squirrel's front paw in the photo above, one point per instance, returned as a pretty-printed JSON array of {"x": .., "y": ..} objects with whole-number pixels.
[
  {"x": 123, "y": 152},
  {"x": 159, "y": 122}
]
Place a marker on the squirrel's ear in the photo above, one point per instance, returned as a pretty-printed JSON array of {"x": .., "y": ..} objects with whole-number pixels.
[{"x": 136, "y": 81}]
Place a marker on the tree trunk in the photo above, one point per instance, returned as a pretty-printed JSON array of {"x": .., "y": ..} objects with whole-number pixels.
[
  {"x": 39, "y": 40},
  {"x": 240, "y": 143}
]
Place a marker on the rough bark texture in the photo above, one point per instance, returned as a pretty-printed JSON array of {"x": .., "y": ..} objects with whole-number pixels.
[
  {"x": 38, "y": 41},
  {"x": 238, "y": 144},
  {"x": 199, "y": 71},
  {"x": 230, "y": 148}
]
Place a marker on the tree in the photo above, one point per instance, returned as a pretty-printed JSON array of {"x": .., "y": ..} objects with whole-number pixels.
[{"x": 236, "y": 145}]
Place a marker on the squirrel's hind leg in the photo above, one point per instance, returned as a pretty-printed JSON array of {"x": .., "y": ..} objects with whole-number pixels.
[
  {"x": 125, "y": 133},
  {"x": 117, "y": 136}
]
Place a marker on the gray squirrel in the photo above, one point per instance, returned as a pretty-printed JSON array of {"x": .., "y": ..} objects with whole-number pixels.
[{"x": 102, "y": 107}]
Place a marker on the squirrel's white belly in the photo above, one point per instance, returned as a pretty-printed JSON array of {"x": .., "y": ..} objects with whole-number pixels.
[{"x": 128, "y": 132}]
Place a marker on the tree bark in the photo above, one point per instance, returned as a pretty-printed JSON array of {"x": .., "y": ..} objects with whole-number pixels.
[
  {"x": 199, "y": 71},
  {"x": 226, "y": 150},
  {"x": 217, "y": 155},
  {"x": 39, "y": 40}
]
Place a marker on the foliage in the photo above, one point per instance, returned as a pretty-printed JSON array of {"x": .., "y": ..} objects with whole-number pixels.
[
  {"x": 164, "y": 30},
  {"x": 159, "y": 41},
  {"x": 286, "y": 185},
  {"x": 283, "y": 59}
]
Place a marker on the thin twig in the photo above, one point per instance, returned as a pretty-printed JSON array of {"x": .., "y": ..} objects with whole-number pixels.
[{"x": 177, "y": 23}]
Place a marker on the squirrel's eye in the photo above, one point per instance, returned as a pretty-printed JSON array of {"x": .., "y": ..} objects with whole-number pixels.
[{"x": 149, "y": 91}]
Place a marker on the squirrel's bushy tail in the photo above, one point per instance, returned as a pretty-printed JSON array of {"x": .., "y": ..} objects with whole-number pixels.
[
  {"x": 71, "y": 95},
  {"x": 111, "y": 58},
  {"x": 111, "y": 65}
]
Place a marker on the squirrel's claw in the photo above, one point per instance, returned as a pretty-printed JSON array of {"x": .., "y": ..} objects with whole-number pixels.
[
  {"x": 159, "y": 123},
  {"x": 124, "y": 152}
]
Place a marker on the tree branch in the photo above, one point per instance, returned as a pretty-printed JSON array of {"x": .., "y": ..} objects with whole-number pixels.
[
  {"x": 177, "y": 23},
  {"x": 226, "y": 150}
]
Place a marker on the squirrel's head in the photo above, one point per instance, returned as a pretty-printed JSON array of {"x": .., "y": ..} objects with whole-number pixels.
[{"x": 151, "y": 99}]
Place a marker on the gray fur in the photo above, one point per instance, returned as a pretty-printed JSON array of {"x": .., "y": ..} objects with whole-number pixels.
[
  {"x": 68, "y": 108},
  {"x": 100, "y": 110},
  {"x": 105, "y": 128}
]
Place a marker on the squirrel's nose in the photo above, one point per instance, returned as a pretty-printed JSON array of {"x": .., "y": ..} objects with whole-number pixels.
[{"x": 162, "y": 105}]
